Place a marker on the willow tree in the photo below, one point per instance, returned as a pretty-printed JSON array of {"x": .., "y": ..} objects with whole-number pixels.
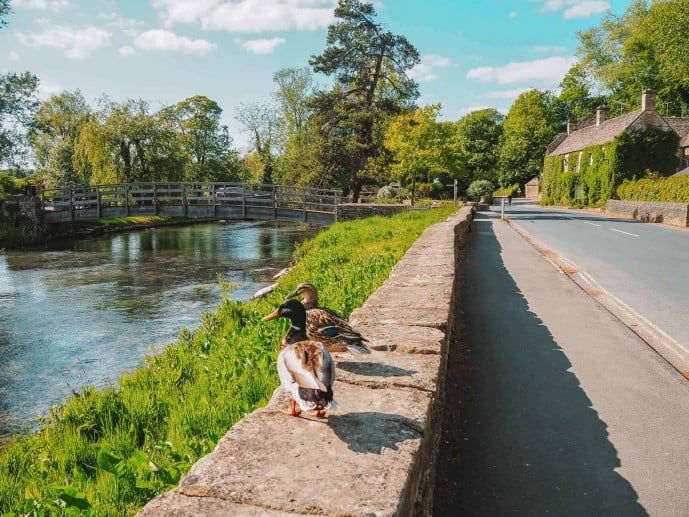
[
  {"x": 57, "y": 124},
  {"x": 369, "y": 65}
]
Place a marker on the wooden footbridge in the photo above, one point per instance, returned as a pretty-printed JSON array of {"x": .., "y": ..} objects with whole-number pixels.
[{"x": 210, "y": 200}]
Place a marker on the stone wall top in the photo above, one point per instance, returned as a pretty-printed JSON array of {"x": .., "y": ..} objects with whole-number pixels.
[
  {"x": 676, "y": 214},
  {"x": 376, "y": 454}
]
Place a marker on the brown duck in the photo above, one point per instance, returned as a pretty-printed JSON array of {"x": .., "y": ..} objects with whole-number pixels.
[
  {"x": 326, "y": 326},
  {"x": 305, "y": 367}
]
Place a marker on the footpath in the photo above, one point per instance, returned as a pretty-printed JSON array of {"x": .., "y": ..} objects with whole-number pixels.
[{"x": 553, "y": 406}]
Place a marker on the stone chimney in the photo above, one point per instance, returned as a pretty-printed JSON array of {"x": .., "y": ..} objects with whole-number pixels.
[
  {"x": 571, "y": 126},
  {"x": 648, "y": 100},
  {"x": 602, "y": 114}
]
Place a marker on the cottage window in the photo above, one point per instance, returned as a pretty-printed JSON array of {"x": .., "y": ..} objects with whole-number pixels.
[
  {"x": 578, "y": 167},
  {"x": 565, "y": 163},
  {"x": 590, "y": 159}
]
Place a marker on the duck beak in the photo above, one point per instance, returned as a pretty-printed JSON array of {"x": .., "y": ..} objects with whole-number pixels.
[{"x": 272, "y": 315}]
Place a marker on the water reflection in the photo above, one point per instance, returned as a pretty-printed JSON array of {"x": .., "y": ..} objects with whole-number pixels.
[{"x": 89, "y": 310}]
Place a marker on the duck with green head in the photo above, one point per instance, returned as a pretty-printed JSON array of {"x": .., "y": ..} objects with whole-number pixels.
[{"x": 305, "y": 367}]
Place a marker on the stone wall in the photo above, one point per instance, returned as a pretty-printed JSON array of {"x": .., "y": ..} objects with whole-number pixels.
[
  {"x": 655, "y": 212},
  {"x": 349, "y": 211},
  {"x": 377, "y": 454},
  {"x": 24, "y": 211}
]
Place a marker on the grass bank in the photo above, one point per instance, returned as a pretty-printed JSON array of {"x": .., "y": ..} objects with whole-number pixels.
[{"x": 107, "y": 452}]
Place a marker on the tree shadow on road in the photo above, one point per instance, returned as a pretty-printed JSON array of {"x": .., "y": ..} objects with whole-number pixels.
[{"x": 519, "y": 434}]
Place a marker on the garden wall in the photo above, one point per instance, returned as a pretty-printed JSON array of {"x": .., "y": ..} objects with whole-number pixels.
[
  {"x": 350, "y": 211},
  {"x": 377, "y": 454},
  {"x": 652, "y": 211}
]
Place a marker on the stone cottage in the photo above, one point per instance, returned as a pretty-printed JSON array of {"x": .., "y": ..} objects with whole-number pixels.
[{"x": 588, "y": 161}]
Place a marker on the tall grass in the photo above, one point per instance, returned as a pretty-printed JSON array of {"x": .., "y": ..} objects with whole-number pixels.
[{"x": 107, "y": 452}]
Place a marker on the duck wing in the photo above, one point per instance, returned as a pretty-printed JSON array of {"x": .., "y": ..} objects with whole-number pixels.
[
  {"x": 308, "y": 364},
  {"x": 326, "y": 325}
]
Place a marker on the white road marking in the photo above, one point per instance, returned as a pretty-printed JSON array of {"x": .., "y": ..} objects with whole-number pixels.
[
  {"x": 592, "y": 224},
  {"x": 626, "y": 233}
]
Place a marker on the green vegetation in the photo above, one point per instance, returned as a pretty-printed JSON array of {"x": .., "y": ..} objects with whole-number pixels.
[
  {"x": 507, "y": 191},
  {"x": 656, "y": 189},
  {"x": 108, "y": 452},
  {"x": 592, "y": 175},
  {"x": 480, "y": 188}
]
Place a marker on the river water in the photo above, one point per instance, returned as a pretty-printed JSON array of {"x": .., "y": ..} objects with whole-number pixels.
[{"x": 88, "y": 310}]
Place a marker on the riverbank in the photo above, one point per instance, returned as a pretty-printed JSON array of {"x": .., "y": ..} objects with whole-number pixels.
[{"x": 119, "y": 447}]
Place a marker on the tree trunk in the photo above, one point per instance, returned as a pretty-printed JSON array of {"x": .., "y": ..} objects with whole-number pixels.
[{"x": 127, "y": 159}]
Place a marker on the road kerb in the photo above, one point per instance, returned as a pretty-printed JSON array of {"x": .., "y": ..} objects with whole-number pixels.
[{"x": 666, "y": 346}]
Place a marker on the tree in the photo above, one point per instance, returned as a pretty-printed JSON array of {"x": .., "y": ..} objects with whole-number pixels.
[
  {"x": 205, "y": 144},
  {"x": 478, "y": 137},
  {"x": 369, "y": 65},
  {"x": 260, "y": 121},
  {"x": 576, "y": 94},
  {"x": 123, "y": 143},
  {"x": 528, "y": 129},
  {"x": 18, "y": 101},
  {"x": 646, "y": 47},
  {"x": 296, "y": 87},
  {"x": 57, "y": 124},
  {"x": 421, "y": 147},
  {"x": 5, "y": 10}
]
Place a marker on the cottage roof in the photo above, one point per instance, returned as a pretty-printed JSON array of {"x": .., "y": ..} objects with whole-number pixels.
[
  {"x": 681, "y": 127},
  {"x": 595, "y": 135}
]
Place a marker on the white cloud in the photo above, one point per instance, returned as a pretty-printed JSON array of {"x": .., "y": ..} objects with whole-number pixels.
[
  {"x": 114, "y": 21},
  {"x": 42, "y": 5},
  {"x": 262, "y": 46},
  {"x": 550, "y": 70},
  {"x": 425, "y": 71},
  {"x": 76, "y": 43},
  {"x": 513, "y": 15},
  {"x": 13, "y": 56},
  {"x": 249, "y": 15},
  {"x": 127, "y": 51},
  {"x": 166, "y": 41},
  {"x": 48, "y": 88},
  {"x": 576, "y": 8}
]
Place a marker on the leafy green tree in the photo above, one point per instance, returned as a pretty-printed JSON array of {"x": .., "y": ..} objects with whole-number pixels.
[
  {"x": 576, "y": 94},
  {"x": 124, "y": 143},
  {"x": 205, "y": 144},
  {"x": 646, "y": 47},
  {"x": 369, "y": 65},
  {"x": 480, "y": 188},
  {"x": 57, "y": 124},
  {"x": 478, "y": 136},
  {"x": 296, "y": 86},
  {"x": 18, "y": 101},
  {"x": 421, "y": 147},
  {"x": 261, "y": 122},
  {"x": 529, "y": 127}
]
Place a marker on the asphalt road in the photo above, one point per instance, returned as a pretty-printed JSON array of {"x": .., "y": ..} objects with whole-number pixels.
[
  {"x": 644, "y": 265},
  {"x": 553, "y": 406}
]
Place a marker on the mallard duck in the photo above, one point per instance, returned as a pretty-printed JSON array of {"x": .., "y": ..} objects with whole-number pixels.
[
  {"x": 305, "y": 367},
  {"x": 327, "y": 326}
]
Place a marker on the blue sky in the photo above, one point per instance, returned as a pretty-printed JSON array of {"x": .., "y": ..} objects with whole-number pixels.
[{"x": 475, "y": 53}]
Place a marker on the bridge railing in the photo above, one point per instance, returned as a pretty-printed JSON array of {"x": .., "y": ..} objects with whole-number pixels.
[{"x": 189, "y": 199}]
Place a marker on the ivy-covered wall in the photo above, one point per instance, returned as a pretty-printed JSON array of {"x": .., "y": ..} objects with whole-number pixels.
[{"x": 592, "y": 178}]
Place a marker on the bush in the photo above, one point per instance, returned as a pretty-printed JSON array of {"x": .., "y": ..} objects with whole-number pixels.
[
  {"x": 480, "y": 188},
  {"x": 674, "y": 189},
  {"x": 507, "y": 191}
]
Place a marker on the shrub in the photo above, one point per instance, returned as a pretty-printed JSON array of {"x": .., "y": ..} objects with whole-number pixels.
[
  {"x": 674, "y": 189},
  {"x": 507, "y": 191},
  {"x": 479, "y": 188}
]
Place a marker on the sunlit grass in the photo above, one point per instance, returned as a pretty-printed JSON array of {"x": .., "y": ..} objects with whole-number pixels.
[{"x": 107, "y": 452}]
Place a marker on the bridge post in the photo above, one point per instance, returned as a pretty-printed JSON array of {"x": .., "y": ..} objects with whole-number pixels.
[
  {"x": 243, "y": 200},
  {"x": 275, "y": 202},
  {"x": 303, "y": 206},
  {"x": 99, "y": 209},
  {"x": 155, "y": 199},
  {"x": 126, "y": 199},
  {"x": 71, "y": 204}
]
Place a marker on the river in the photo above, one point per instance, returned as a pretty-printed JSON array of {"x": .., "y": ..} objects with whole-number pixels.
[{"x": 88, "y": 310}]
